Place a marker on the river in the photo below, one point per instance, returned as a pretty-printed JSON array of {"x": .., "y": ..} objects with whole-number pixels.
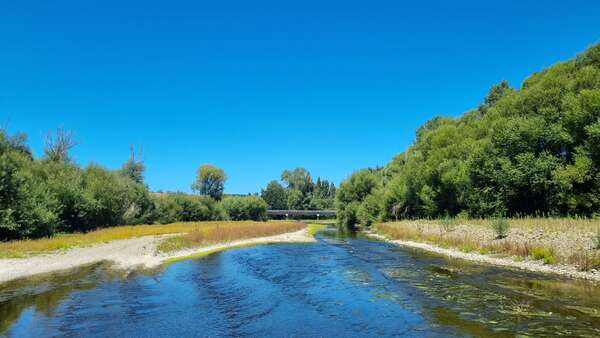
[{"x": 343, "y": 285}]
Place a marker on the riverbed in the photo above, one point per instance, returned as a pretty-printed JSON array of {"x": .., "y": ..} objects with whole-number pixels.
[{"x": 342, "y": 285}]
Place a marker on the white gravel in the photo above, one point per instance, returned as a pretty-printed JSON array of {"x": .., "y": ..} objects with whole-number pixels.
[
  {"x": 126, "y": 254},
  {"x": 528, "y": 265}
]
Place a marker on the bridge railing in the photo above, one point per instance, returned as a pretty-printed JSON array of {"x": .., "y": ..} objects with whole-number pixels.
[{"x": 295, "y": 213}]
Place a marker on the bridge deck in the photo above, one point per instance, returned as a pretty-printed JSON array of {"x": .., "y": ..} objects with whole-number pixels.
[{"x": 324, "y": 213}]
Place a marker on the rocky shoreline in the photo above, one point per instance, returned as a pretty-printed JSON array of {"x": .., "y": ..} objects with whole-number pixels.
[{"x": 526, "y": 264}]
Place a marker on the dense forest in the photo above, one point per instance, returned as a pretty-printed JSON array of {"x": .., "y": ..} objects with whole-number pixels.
[{"x": 528, "y": 151}]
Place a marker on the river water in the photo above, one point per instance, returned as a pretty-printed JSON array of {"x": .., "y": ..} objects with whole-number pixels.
[{"x": 340, "y": 286}]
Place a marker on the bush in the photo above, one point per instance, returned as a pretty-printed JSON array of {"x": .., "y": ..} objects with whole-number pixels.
[
  {"x": 27, "y": 208},
  {"x": 447, "y": 224},
  {"x": 586, "y": 260},
  {"x": 116, "y": 199},
  {"x": 544, "y": 253},
  {"x": 180, "y": 207},
  {"x": 369, "y": 210},
  {"x": 41, "y": 197},
  {"x": 347, "y": 216},
  {"x": 245, "y": 208},
  {"x": 500, "y": 227},
  {"x": 74, "y": 203},
  {"x": 596, "y": 240},
  {"x": 352, "y": 192}
]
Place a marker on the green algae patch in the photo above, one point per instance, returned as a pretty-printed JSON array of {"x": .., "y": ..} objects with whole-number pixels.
[{"x": 313, "y": 228}]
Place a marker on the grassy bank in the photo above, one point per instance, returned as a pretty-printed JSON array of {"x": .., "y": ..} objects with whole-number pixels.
[
  {"x": 226, "y": 232},
  {"x": 218, "y": 230},
  {"x": 567, "y": 241}
]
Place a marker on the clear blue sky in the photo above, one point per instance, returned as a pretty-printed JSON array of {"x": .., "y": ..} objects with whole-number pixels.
[{"x": 257, "y": 87}]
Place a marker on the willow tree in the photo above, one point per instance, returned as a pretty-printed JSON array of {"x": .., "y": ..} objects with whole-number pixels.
[{"x": 210, "y": 181}]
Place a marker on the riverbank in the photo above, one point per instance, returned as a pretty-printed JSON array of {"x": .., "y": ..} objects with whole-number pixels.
[
  {"x": 209, "y": 230},
  {"x": 557, "y": 248},
  {"x": 128, "y": 254}
]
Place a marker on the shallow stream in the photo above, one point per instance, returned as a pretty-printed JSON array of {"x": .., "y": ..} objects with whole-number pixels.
[{"x": 343, "y": 285}]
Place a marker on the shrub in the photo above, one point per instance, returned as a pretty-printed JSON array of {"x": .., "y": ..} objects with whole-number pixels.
[
  {"x": 447, "y": 224},
  {"x": 369, "y": 210},
  {"x": 544, "y": 253},
  {"x": 347, "y": 216},
  {"x": 180, "y": 207},
  {"x": 65, "y": 182},
  {"x": 245, "y": 208},
  {"x": 500, "y": 227},
  {"x": 351, "y": 193},
  {"x": 116, "y": 199},
  {"x": 586, "y": 260},
  {"x": 596, "y": 240},
  {"x": 27, "y": 208}
]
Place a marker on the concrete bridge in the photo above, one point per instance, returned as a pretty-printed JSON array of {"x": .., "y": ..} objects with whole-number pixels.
[{"x": 309, "y": 213}]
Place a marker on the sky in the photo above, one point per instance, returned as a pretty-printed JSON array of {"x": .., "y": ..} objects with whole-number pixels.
[{"x": 257, "y": 87}]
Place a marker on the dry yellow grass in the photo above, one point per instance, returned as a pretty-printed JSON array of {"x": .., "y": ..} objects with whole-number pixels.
[
  {"x": 22, "y": 248},
  {"x": 554, "y": 240},
  {"x": 221, "y": 232},
  {"x": 549, "y": 223}
]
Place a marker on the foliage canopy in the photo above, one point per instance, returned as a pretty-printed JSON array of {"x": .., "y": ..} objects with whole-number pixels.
[{"x": 528, "y": 151}]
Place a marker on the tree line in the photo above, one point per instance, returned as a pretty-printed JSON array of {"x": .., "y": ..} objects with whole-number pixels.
[
  {"x": 299, "y": 192},
  {"x": 52, "y": 194},
  {"x": 528, "y": 151},
  {"x": 44, "y": 196}
]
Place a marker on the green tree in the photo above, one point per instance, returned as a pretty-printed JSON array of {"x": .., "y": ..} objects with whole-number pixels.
[
  {"x": 133, "y": 169},
  {"x": 274, "y": 195},
  {"x": 369, "y": 210},
  {"x": 351, "y": 194},
  {"x": 65, "y": 181},
  {"x": 294, "y": 199},
  {"x": 59, "y": 144},
  {"x": 323, "y": 195},
  {"x": 298, "y": 179},
  {"x": 526, "y": 151},
  {"x": 210, "y": 181},
  {"x": 497, "y": 92},
  {"x": 27, "y": 209}
]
